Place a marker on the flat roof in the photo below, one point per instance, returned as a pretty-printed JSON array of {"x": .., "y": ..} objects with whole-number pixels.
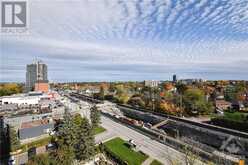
[{"x": 35, "y": 123}]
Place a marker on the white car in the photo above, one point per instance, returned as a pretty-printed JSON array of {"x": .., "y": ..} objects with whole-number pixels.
[{"x": 12, "y": 160}]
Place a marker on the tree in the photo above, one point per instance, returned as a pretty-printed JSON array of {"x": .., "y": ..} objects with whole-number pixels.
[
  {"x": 181, "y": 88},
  {"x": 170, "y": 108},
  {"x": 10, "y": 88},
  {"x": 195, "y": 103},
  {"x": 65, "y": 139},
  {"x": 121, "y": 94},
  {"x": 41, "y": 159},
  {"x": 67, "y": 131},
  {"x": 95, "y": 116},
  {"x": 230, "y": 93},
  {"x": 111, "y": 87},
  {"x": 64, "y": 155},
  {"x": 123, "y": 99},
  {"x": 101, "y": 94},
  {"x": 190, "y": 156},
  {"x": 13, "y": 139},
  {"x": 85, "y": 146},
  {"x": 119, "y": 89},
  {"x": 74, "y": 140},
  {"x": 136, "y": 101}
]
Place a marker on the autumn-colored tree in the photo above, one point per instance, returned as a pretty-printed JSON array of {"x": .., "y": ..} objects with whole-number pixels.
[
  {"x": 10, "y": 88},
  {"x": 170, "y": 108}
]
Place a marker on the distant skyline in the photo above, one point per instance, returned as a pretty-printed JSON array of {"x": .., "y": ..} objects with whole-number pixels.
[{"x": 114, "y": 40}]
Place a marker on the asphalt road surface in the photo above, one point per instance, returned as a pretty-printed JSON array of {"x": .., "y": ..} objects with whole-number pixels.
[{"x": 151, "y": 147}]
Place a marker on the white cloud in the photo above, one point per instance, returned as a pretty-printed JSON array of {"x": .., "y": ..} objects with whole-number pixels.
[{"x": 132, "y": 32}]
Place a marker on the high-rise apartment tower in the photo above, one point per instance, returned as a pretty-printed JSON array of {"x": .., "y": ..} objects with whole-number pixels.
[{"x": 35, "y": 73}]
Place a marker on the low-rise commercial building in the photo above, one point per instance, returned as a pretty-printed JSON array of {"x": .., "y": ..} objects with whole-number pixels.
[
  {"x": 222, "y": 104},
  {"x": 35, "y": 128},
  {"x": 151, "y": 83},
  {"x": 22, "y": 99},
  {"x": 42, "y": 87}
]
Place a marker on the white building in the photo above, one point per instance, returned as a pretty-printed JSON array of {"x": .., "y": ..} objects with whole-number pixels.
[
  {"x": 22, "y": 99},
  {"x": 151, "y": 83}
]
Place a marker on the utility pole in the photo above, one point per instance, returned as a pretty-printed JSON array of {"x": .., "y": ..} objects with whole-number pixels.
[
  {"x": 181, "y": 103},
  {"x": 153, "y": 99}
]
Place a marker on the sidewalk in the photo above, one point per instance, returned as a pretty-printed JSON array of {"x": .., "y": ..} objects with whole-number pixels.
[{"x": 148, "y": 161}]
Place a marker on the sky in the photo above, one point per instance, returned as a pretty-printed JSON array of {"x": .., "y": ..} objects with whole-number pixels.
[{"x": 131, "y": 40}]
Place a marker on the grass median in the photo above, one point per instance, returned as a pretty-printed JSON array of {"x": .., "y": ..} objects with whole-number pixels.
[
  {"x": 99, "y": 130},
  {"x": 156, "y": 162},
  {"x": 119, "y": 148}
]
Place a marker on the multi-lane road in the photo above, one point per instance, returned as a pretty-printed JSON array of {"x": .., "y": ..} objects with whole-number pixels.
[{"x": 151, "y": 147}]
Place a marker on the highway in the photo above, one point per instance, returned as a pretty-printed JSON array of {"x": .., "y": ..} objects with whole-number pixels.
[
  {"x": 151, "y": 147},
  {"x": 159, "y": 115}
]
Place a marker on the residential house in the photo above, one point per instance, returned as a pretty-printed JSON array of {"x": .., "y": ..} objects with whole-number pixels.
[{"x": 222, "y": 104}]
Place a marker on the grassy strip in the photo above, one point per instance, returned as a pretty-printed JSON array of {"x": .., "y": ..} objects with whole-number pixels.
[
  {"x": 156, "y": 162},
  {"x": 119, "y": 148},
  {"x": 99, "y": 130},
  {"x": 236, "y": 116},
  {"x": 37, "y": 143}
]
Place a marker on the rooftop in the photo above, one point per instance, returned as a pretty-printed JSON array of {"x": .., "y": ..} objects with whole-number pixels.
[
  {"x": 35, "y": 123},
  {"x": 221, "y": 102}
]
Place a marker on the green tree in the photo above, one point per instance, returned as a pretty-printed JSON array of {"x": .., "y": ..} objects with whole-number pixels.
[
  {"x": 181, "y": 88},
  {"x": 195, "y": 102},
  {"x": 168, "y": 95},
  {"x": 14, "y": 141},
  {"x": 67, "y": 131},
  {"x": 230, "y": 93},
  {"x": 95, "y": 116},
  {"x": 41, "y": 159},
  {"x": 111, "y": 87},
  {"x": 64, "y": 155},
  {"x": 85, "y": 146},
  {"x": 75, "y": 139},
  {"x": 136, "y": 101},
  {"x": 101, "y": 94},
  {"x": 66, "y": 138}
]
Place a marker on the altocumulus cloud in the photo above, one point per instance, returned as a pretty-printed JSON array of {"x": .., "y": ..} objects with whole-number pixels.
[{"x": 90, "y": 40}]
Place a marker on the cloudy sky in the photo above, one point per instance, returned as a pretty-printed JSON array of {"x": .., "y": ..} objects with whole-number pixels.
[{"x": 111, "y": 40}]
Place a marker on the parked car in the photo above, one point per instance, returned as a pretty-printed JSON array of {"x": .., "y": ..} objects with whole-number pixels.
[
  {"x": 51, "y": 146},
  {"x": 31, "y": 152},
  {"x": 11, "y": 160},
  {"x": 132, "y": 143}
]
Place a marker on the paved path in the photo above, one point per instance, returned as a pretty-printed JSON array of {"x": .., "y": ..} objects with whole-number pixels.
[
  {"x": 21, "y": 158},
  {"x": 104, "y": 136},
  {"x": 148, "y": 161}
]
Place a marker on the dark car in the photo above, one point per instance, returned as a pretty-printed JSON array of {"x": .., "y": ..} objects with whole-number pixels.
[{"x": 31, "y": 152}]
